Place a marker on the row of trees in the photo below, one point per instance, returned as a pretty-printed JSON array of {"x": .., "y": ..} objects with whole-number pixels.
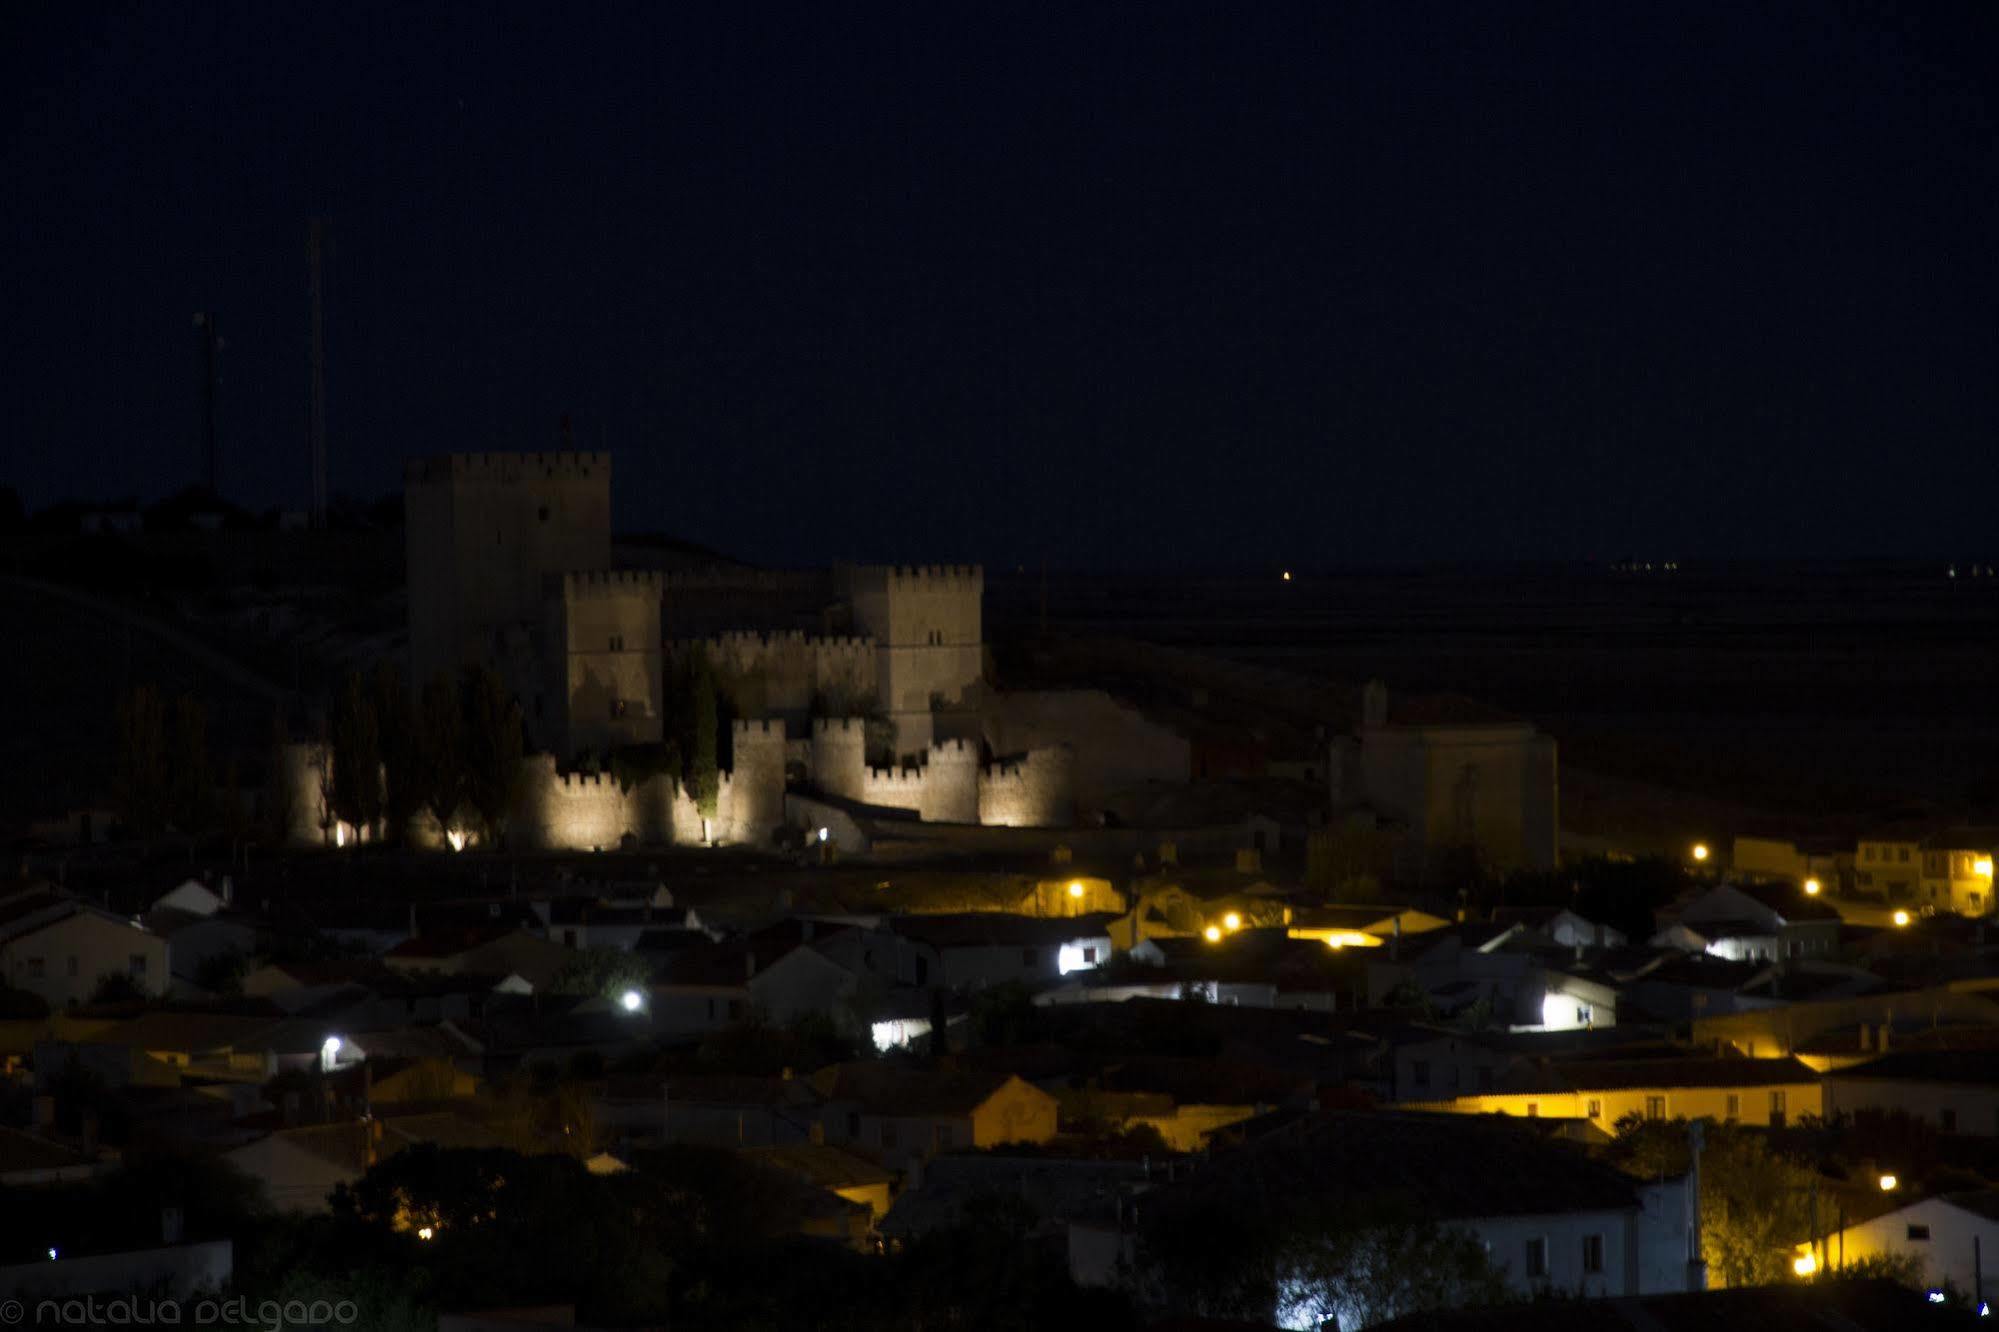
[
  {"x": 165, "y": 777},
  {"x": 453, "y": 749}
]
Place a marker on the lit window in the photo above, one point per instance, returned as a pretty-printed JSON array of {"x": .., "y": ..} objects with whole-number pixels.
[{"x": 1592, "y": 1253}]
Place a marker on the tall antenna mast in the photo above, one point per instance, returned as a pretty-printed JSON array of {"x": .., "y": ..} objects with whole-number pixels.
[
  {"x": 211, "y": 387},
  {"x": 315, "y": 426}
]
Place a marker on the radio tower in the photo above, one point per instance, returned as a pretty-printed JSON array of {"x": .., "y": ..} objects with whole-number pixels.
[
  {"x": 315, "y": 421},
  {"x": 211, "y": 387}
]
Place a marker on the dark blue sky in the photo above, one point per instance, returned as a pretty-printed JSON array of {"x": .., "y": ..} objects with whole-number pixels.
[{"x": 1154, "y": 285}]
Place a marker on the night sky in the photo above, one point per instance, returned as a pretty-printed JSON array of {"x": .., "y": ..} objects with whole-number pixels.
[{"x": 1153, "y": 286}]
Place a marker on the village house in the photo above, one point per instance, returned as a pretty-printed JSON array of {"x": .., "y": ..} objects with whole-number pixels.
[
  {"x": 712, "y": 1110},
  {"x": 1957, "y": 871},
  {"x": 904, "y": 1114},
  {"x": 978, "y": 950},
  {"x": 1953, "y": 1091},
  {"x": 61, "y": 949},
  {"x": 1888, "y": 863},
  {"x": 1767, "y": 922},
  {"x": 1760, "y": 1092},
  {"x": 1946, "y": 1236},
  {"x": 1550, "y": 1218}
]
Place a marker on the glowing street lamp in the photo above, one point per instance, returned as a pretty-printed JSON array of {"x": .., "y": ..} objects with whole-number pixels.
[
  {"x": 1901, "y": 919},
  {"x": 1889, "y": 1183},
  {"x": 631, "y": 1001},
  {"x": 1811, "y": 887},
  {"x": 1076, "y": 888},
  {"x": 1982, "y": 867},
  {"x": 1212, "y": 934},
  {"x": 1232, "y": 922},
  {"x": 1700, "y": 853},
  {"x": 1804, "y": 1264}
]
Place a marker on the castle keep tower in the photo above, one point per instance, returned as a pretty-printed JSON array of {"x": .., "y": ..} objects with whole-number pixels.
[
  {"x": 928, "y": 627},
  {"x": 483, "y": 532},
  {"x": 510, "y": 569},
  {"x": 601, "y": 683}
]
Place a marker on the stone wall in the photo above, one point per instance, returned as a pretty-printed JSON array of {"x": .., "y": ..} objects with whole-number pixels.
[
  {"x": 790, "y": 674},
  {"x": 1036, "y": 791},
  {"x": 557, "y": 811},
  {"x": 1117, "y": 746}
]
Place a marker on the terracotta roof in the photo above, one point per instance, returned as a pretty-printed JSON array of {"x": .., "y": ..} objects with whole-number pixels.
[
  {"x": 826, "y": 1166},
  {"x": 1450, "y": 1166},
  {"x": 894, "y": 1090},
  {"x": 1973, "y": 1068},
  {"x": 449, "y": 943},
  {"x": 22, "y": 1152},
  {"x": 1677, "y": 1071},
  {"x": 992, "y": 929}
]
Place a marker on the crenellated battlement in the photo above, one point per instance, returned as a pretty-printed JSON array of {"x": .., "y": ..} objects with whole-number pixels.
[
  {"x": 757, "y": 642},
  {"x": 856, "y": 727},
  {"x": 953, "y": 575},
  {"x": 955, "y": 751},
  {"x": 761, "y": 728},
  {"x": 504, "y": 467},
  {"x": 719, "y": 578},
  {"x": 582, "y": 583}
]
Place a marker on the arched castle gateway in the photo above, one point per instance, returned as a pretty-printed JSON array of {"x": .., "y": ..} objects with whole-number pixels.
[{"x": 511, "y": 567}]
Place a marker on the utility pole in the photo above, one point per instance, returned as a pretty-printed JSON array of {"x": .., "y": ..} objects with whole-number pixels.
[{"x": 315, "y": 427}]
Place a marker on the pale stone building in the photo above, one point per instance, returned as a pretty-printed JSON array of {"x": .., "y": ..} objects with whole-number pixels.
[{"x": 1457, "y": 777}]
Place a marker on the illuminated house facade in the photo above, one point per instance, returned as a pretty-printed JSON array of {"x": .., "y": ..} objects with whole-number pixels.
[
  {"x": 1957, "y": 871},
  {"x": 1764, "y": 1093}
]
